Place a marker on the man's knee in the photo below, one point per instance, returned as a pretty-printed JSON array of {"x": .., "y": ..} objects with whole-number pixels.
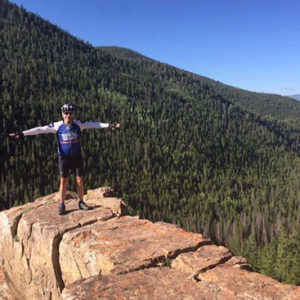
[
  {"x": 63, "y": 180},
  {"x": 79, "y": 180}
]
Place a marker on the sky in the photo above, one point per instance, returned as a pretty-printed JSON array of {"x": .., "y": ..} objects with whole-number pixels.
[{"x": 250, "y": 44}]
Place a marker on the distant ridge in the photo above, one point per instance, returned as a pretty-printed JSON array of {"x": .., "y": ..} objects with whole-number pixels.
[
  {"x": 297, "y": 96},
  {"x": 265, "y": 105}
]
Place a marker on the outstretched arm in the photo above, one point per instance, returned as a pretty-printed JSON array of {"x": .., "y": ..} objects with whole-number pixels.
[
  {"x": 51, "y": 128},
  {"x": 97, "y": 125}
]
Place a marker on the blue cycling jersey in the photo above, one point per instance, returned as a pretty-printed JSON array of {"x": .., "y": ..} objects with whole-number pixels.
[{"x": 68, "y": 136}]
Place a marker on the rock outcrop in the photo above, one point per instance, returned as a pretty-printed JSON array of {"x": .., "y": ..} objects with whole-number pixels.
[{"x": 104, "y": 254}]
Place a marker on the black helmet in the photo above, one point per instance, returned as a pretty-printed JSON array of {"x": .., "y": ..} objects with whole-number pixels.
[{"x": 68, "y": 107}]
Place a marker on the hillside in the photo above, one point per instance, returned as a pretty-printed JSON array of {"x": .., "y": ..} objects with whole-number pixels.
[
  {"x": 262, "y": 104},
  {"x": 104, "y": 254},
  {"x": 192, "y": 151}
]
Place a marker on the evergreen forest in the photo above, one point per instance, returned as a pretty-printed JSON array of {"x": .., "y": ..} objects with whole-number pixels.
[{"x": 192, "y": 151}]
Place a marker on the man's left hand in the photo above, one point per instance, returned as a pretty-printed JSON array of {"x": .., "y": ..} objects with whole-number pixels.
[{"x": 114, "y": 126}]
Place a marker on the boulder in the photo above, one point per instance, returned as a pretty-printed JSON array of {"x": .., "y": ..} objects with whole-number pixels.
[
  {"x": 221, "y": 282},
  {"x": 237, "y": 283},
  {"x": 104, "y": 197},
  {"x": 161, "y": 283},
  {"x": 204, "y": 258},
  {"x": 122, "y": 245}
]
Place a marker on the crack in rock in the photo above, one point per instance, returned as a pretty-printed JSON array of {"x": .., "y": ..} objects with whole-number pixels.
[
  {"x": 165, "y": 260},
  {"x": 29, "y": 268},
  {"x": 55, "y": 261},
  {"x": 189, "y": 249},
  {"x": 55, "y": 251},
  {"x": 222, "y": 261},
  {"x": 14, "y": 229}
]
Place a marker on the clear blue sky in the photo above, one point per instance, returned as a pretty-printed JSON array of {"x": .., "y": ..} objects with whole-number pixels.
[{"x": 251, "y": 44}]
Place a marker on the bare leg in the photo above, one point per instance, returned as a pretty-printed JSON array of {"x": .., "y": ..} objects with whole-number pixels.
[
  {"x": 80, "y": 187},
  {"x": 63, "y": 189}
]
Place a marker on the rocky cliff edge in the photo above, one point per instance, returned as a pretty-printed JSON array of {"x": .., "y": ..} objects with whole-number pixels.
[{"x": 104, "y": 254}]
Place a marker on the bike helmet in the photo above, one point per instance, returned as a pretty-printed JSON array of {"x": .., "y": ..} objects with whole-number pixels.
[{"x": 68, "y": 108}]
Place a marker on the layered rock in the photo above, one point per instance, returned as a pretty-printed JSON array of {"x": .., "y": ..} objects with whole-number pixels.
[
  {"x": 30, "y": 236},
  {"x": 122, "y": 245},
  {"x": 101, "y": 254}
]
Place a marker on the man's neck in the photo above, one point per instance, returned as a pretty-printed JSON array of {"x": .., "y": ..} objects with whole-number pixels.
[{"x": 68, "y": 123}]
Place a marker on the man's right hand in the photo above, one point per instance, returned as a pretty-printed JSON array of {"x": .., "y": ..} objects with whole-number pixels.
[{"x": 16, "y": 135}]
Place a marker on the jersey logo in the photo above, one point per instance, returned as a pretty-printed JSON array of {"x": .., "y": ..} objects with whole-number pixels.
[{"x": 69, "y": 136}]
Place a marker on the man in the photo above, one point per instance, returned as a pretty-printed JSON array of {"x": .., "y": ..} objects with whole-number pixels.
[{"x": 68, "y": 132}]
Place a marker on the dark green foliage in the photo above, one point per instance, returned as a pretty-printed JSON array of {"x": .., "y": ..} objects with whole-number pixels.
[
  {"x": 192, "y": 151},
  {"x": 280, "y": 259}
]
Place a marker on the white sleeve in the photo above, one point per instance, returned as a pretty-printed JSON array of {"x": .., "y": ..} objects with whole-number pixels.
[
  {"x": 51, "y": 128},
  {"x": 88, "y": 125}
]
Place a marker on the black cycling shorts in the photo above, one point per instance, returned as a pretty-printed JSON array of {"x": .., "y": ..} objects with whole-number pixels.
[{"x": 67, "y": 163}]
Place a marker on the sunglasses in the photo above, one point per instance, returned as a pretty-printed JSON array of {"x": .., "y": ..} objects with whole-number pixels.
[{"x": 69, "y": 112}]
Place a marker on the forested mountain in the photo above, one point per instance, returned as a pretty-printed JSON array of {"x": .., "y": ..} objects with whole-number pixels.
[
  {"x": 268, "y": 105},
  {"x": 192, "y": 151}
]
